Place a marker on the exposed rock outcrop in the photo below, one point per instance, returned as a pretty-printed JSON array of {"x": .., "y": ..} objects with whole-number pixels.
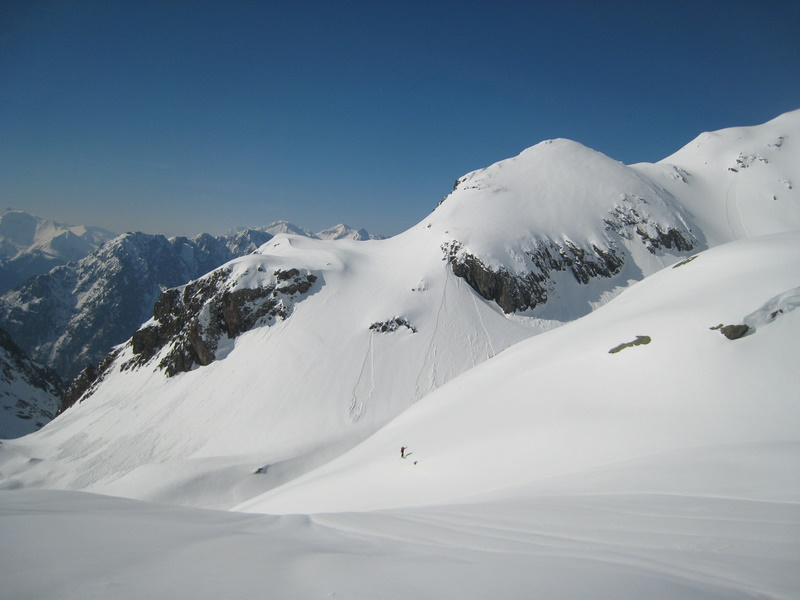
[
  {"x": 734, "y": 332},
  {"x": 392, "y": 325},
  {"x": 189, "y": 323},
  {"x": 515, "y": 292},
  {"x": 641, "y": 340}
]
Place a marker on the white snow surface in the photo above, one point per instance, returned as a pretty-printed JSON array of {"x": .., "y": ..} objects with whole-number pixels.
[
  {"x": 543, "y": 467},
  {"x": 738, "y": 182},
  {"x": 561, "y": 403},
  {"x": 558, "y": 470}
]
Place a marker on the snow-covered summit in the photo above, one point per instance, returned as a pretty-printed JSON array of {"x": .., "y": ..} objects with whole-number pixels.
[
  {"x": 337, "y": 232},
  {"x": 345, "y": 232},
  {"x": 278, "y": 227}
]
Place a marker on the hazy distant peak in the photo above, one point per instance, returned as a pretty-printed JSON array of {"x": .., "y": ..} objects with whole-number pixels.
[
  {"x": 337, "y": 232},
  {"x": 345, "y": 232},
  {"x": 30, "y": 245},
  {"x": 277, "y": 227}
]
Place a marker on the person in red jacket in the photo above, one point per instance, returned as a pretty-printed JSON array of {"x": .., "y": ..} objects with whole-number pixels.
[{"x": 403, "y": 452}]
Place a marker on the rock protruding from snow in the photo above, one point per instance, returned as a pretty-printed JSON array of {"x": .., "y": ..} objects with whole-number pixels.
[
  {"x": 392, "y": 325},
  {"x": 189, "y": 323}
]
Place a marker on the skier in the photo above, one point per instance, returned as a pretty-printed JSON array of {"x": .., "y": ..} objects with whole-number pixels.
[{"x": 403, "y": 452}]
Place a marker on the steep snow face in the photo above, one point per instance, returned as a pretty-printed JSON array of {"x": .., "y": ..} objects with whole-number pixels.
[
  {"x": 29, "y": 393},
  {"x": 563, "y": 403},
  {"x": 31, "y": 245},
  {"x": 738, "y": 182}
]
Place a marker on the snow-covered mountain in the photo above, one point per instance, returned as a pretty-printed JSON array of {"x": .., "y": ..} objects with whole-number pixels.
[
  {"x": 71, "y": 316},
  {"x": 31, "y": 245},
  {"x": 337, "y": 232},
  {"x": 345, "y": 232},
  {"x": 29, "y": 393},
  {"x": 590, "y": 364},
  {"x": 289, "y": 356},
  {"x": 278, "y": 227}
]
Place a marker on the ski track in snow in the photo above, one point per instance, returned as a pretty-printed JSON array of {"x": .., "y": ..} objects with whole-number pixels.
[
  {"x": 429, "y": 362},
  {"x": 365, "y": 385},
  {"x": 735, "y": 222},
  {"x": 483, "y": 326}
]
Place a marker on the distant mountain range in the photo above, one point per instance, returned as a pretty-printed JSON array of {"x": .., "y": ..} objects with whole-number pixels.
[
  {"x": 31, "y": 245},
  {"x": 69, "y": 317}
]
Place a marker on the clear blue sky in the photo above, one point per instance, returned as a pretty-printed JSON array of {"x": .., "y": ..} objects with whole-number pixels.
[{"x": 179, "y": 117}]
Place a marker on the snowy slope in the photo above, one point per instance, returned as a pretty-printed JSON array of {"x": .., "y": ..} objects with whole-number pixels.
[
  {"x": 211, "y": 388},
  {"x": 296, "y": 389},
  {"x": 738, "y": 182},
  {"x": 665, "y": 470},
  {"x": 636, "y": 451},
  {"x": 563, "y": 403}
]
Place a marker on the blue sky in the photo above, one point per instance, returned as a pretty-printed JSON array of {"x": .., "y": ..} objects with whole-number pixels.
[{"x": 179, "y": 117}]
